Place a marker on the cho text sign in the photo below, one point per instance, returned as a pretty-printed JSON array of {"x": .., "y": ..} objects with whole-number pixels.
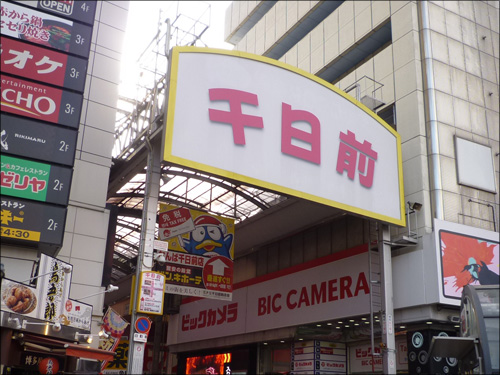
[{"x": 322, "y": 146}]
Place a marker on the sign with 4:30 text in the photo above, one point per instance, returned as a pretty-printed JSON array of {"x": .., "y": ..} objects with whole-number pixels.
[
  {"x": 32, "y": 222},
  {"x": 32, "y": 180}
]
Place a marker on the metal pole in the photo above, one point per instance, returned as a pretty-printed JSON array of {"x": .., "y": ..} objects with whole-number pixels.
[{"x": 388, "y": 337}]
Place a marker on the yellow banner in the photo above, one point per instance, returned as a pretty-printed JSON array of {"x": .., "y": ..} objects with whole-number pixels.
[{"x": 20, "y": 234}]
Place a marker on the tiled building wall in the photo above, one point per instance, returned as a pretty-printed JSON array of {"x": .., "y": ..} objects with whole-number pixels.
[
  {"x": 87, "y": 219},
  {"x": 464, "y": 37}
]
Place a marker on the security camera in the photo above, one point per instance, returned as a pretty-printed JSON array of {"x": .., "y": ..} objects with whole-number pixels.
[
  {"x": 160, "y": 258},
  {"x": 454, "y": 319}
]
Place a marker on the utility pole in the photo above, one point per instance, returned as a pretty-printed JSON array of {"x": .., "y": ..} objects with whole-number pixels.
[{"x": 388, "y": 336}]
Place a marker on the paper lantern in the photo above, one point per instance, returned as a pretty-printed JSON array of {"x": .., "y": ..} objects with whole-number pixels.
[{"x": 48, "y": 365}]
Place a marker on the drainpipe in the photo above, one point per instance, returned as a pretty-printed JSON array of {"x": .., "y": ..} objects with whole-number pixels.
[{"x": 431, "y": 119}]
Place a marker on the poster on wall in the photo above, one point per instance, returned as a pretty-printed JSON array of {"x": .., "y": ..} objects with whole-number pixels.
[
  {"x": 467, "y": 256},
  {"x": 199, "y": 261}
]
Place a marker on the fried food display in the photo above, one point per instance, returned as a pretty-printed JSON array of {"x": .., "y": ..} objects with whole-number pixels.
[{"x": 19, "y": 298}]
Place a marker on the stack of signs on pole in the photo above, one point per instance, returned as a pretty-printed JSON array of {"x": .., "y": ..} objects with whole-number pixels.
[
  {"x": 318, "y": 357},
  {"x": 151, "y": 293},
  {"x": 45, "y": 51},
  {"x": 200, "y": 253},
  {"x": 49, "y": 300}
]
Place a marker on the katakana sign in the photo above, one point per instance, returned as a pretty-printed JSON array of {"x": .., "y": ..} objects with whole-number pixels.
[
  {"x": 44, "y": 65},
  {"x": 33, "y": 180}
]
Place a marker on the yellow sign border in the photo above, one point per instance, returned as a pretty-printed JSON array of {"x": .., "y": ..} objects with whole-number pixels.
[{"x": 168, "y": 135}]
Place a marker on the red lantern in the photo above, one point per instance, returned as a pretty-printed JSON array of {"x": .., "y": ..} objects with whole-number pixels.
[{"x": 48, "y": 365}]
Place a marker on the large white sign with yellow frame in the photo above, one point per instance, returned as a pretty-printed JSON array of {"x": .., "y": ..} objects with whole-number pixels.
[{"x": 269, "y": 124}]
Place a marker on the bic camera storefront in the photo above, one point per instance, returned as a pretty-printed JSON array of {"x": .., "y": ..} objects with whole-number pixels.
[{"x": 307, "y": 287}]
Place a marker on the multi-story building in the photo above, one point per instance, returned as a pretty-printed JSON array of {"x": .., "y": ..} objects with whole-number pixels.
[
  {"x": 430, "y": 69},
  {"x": 86, "y": 69}
]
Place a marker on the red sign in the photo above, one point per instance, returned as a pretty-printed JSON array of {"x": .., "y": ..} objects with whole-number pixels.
[
  {"x": 175, "y": 222},
  {"x": 40, "y": 102},
  {"x": 218, "y": 274},
  {"x": 40, "y": 64}
]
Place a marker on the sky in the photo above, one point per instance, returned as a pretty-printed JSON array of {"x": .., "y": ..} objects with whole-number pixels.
[{"x": 142, "y": 25}]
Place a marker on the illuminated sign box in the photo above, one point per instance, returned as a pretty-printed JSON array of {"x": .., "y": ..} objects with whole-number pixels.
[
  {"x": 32, "y": 223},
  {"x": 269, "y": 124},
  {"x": 31, "y": 99},
  {"x": 42, "y": 64},
  {"x": 33, "y": 180},
  {"x": 38, "y": 140}
]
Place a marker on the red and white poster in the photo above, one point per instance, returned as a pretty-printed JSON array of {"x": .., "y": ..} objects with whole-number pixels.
[{"x": 331, "y": 287}]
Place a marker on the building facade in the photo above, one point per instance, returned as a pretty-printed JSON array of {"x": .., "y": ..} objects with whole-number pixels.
[{"x": 430, "y": 69}]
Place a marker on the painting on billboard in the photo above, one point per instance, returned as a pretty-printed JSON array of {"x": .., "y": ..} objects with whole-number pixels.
[
  {"x": 467, "y": 260},
  {"x": 199, "y": 261}
]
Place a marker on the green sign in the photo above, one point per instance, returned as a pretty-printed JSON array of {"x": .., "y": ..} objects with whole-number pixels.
[{"x": 32, "y": 180}]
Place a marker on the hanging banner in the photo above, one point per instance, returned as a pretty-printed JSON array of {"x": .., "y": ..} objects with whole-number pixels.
[
  {"x": 77, "y": 314},
  {"x": 37, "y": 140},
  {"x": 37, "y": 181},
  {"x": 53, "y": 287},
  {"x": 46, "y": 30},
  {"x": 44, "y": 65},
  {"x": 199, "y": 261},
  {"x": 115, "y": 326},
  {"x": 19, "y": 298},
  {"x": 40, "y": 102}
]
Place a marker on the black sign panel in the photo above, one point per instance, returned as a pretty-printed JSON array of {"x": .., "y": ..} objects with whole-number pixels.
[
  {"x": 82, "y": 11},
  {"x": 37, "y": 140},
  {"x": 32, "y": 223},
  {"x": 28, "y": 179},
  {"x": 45, "y": 29}
]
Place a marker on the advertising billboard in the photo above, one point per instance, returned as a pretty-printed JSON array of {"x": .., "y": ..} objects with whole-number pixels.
[
  {"x": 33, "y": 180},
  {"x": 30, "y": 99},
  {"x": 44, "y": 65},
  {"x": 199, "y": 261},
  {"x": 37, "y": 140},
  {"x": 269, "y": 124},
  {"x": 44, "y": 29},
  {"x": 465, "y": 256}
]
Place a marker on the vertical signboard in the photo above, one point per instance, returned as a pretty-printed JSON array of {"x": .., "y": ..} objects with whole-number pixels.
[
  {"x": 200, "y": 253},
  {"x": 43, "y": 42}
]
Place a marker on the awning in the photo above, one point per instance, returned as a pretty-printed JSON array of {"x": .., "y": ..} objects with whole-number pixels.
[{"x": 55, "y": 346}]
